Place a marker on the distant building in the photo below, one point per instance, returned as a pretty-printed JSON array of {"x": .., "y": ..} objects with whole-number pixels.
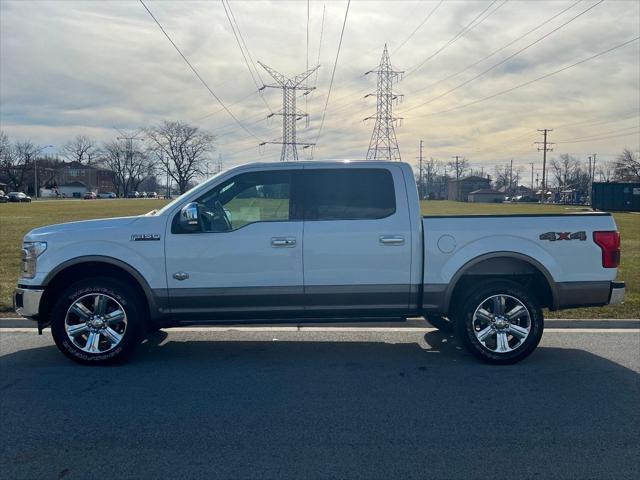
[
  {"x": 92, "y": 178},
  {"x": 73, "y": 189},
  {"x": 459, "y": 190},
  {"x": 486, "y": 195}
]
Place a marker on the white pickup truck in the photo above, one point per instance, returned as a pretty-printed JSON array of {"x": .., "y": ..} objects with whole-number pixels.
[{"x": 313, "y": 241}]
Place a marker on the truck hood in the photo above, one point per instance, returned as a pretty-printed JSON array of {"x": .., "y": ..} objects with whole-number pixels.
[{"x": 65, "y": 229}]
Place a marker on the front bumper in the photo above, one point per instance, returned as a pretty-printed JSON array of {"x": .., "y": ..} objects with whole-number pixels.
[
  {"x": 26, "y": 302},
  {"x": 616, "y": 297}
]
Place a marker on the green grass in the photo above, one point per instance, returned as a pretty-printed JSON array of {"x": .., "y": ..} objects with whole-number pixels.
[{"x": 17, "y": 219}]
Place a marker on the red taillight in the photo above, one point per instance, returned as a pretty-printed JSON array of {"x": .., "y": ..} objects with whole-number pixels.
[{"x": 609, "y": 242}]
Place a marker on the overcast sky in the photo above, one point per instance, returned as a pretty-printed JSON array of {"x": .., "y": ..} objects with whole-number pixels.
[{"x": 88, "y": 67}]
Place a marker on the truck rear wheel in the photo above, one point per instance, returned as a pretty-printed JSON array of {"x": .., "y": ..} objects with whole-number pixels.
[
  {"x": 500, "y": 322},
  {"x": 97, "y": 321}
]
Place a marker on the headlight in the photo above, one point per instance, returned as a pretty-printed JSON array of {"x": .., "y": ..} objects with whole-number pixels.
[{"x": 30, "y": 253}]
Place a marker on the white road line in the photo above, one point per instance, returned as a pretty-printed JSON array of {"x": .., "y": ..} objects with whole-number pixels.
[{"x": 343, "y": 330}]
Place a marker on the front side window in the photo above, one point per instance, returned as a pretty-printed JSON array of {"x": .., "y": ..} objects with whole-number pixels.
[
  {"x": 246, "y": 198},
  {"x": 348, "y": 194}
]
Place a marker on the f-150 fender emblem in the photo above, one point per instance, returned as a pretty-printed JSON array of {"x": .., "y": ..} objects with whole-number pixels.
[
  {"x": 145, "y": 237},
  {"x": 555, "y": 236}
]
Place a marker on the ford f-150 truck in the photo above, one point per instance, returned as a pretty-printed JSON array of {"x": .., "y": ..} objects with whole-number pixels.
[{"x": 313, "y": 241}]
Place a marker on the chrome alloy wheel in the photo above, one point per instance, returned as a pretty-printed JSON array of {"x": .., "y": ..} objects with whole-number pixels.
[
  {"x": 95, "y": 323},
  {"x": 501, "y": 323}
]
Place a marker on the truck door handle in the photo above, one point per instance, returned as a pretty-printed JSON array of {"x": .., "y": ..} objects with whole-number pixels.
[
  {"x": 180, "y": 276},
  {"x": 392, "y": 240},
  {"x": 279, "y": 242}
]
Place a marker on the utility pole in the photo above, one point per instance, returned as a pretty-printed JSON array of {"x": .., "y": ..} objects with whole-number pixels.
[
  {"x": 420, "y": 175},
  {"x": 289, "y": 112},
  {"x": 532, "y": 164},
  {"x": 511, "y": 177},
  {"x": 384, "y": 144},
  {"x": 593, "y": 167},
  {"x": 218, "y": 167},
  {"x": 457, "y": 157},
  {"x": 545, "y": 148}
]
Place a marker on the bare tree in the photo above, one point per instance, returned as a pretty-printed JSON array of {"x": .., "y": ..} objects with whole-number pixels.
[
  {"x": 181, "y": 149},
  {"x": 458, "y": 167},
  {"x": 81, "y": 149},
  {"x": 502, "y": 176},
  {"x": 16, "y": 162},
  {"x": 130, "y": 166},
  {"x": 606, "y": 171},
  {"x": 627, "y": 166},
  {"x": 565, "y": 169}
]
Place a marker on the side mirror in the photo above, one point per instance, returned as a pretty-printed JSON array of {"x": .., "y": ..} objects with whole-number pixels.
[{"x": 190, "y": 217}]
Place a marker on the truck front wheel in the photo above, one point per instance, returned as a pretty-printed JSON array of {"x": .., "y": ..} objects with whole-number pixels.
[
  {"x": 97, "y": 321},
  {"x": 500, "y": 322}
]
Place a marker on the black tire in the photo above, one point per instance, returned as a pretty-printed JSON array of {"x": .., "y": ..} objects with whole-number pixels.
[
  {"x": 469, "y": 326},
  {"x": 441, "y": 323},
  {"x": 119, "y": 294}
]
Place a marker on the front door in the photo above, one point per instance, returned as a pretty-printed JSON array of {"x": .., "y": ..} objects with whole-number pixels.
[
  {"x": 357, "y": 241},
  {"x": 246, "y": 256}
]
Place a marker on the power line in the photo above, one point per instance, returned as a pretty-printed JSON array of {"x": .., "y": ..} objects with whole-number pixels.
[
  {"x": 483, "y": 99},
  {"x": 315, "y": 79},
  {"x": 499, "y": 49},
  {"x": 333, "y": 72},
  {"x": 466, "y": 82},
  {"x": 222, "y": 109},
  {"x": 238, "y": 35},
  {"x": 306, "y": 98},
  {"x": 596, "y": 138},
  {"x": 425, "y": 20},
  {"x": 611, "y": 132},
  {"x": 457, "y": 36},
  {"x": 253, "y": 63},
  {"x": 196, "y": 72}
]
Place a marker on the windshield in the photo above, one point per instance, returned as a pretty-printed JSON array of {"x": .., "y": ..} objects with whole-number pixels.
[{"x": 197, "y": 188}]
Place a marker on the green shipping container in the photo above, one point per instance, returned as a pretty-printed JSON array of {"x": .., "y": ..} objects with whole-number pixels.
[{"x": 623, "y": 197}]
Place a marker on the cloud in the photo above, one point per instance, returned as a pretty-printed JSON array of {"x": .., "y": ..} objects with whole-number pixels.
[{"x": 71, "y": 67}]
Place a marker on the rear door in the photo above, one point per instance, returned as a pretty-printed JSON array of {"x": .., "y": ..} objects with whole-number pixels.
[{"x": 357, "y": 240}]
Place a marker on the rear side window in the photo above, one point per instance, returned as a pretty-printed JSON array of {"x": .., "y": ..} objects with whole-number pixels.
[{"x": 348, "y": 194}]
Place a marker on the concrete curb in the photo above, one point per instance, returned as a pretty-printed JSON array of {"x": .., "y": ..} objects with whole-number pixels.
[{"x": 411, "y": 325}]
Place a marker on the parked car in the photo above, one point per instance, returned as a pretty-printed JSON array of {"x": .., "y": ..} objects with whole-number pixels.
[
  {"x": 107, "y": 195},
  {"x": 90, "y": 196},
  {"x": 152, "y": 194},
  {"x": 525, "y": 199},
  {"x": 302, "y": 241},
  {"x": 134, "y": 195},
  {"x": 3, "y": 197},
  {"x": 18, "y": 197}
]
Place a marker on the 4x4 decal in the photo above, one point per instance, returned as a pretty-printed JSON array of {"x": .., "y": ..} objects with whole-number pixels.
[{"x": 554, "y": 236}]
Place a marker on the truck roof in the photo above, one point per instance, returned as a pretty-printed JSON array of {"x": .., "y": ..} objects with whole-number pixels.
[{"x": 325, "y": 162}]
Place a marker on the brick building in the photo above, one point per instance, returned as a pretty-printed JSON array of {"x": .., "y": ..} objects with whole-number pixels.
[
  {"x": 459, "y": 190},
  {"x": 96, "y": 179}
]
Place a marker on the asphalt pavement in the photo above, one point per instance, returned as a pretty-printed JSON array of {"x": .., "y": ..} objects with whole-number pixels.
[{"x": 322, "y": 402}]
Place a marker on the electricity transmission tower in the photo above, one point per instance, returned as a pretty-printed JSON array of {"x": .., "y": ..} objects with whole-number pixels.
[
  {"x": 383, "y": 144},
  {"x": 289, "y": 113}
]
